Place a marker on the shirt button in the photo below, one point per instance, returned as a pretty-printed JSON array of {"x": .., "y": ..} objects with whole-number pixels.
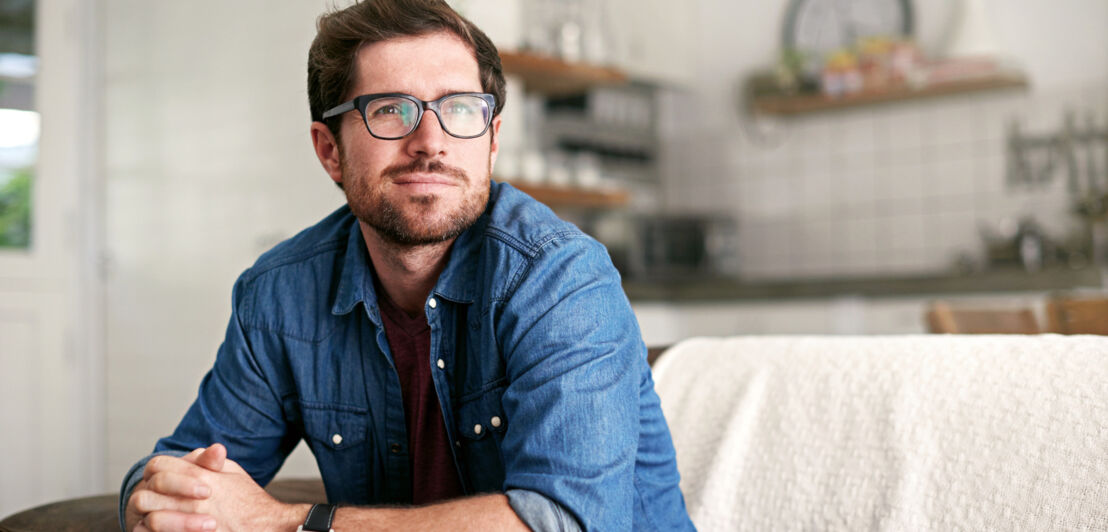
[
  {"x": 477, "y": 428},
  {"x": 432, "y": 303},
  {"x": 457, "y": 443},
  {"x": 394, "y": 448},
  {"x": 441, "y": 364},
  {"x": 495, "y": 422},
  {"x": 336, "y": 439}
]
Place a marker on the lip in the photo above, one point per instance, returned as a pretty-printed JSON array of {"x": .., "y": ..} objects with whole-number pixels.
[{"x": 425, "y": 179}]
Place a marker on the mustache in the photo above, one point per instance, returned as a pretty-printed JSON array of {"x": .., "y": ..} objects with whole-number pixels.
[{"x": 423, "y": 166}]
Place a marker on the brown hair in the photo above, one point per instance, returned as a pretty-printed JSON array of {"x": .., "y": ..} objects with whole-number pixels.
[{"x": 340, "y": 34}]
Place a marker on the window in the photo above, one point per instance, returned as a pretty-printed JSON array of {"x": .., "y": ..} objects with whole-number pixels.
[{"x": 19, "y": 123}]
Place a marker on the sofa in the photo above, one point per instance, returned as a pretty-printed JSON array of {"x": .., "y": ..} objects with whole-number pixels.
[{"x": 937, "y": 432}]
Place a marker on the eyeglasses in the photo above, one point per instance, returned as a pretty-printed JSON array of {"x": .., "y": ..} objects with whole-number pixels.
[{"x": 393, "y": 116}]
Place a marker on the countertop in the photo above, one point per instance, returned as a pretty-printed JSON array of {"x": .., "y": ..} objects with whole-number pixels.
[{"x": 705, "y": 289}]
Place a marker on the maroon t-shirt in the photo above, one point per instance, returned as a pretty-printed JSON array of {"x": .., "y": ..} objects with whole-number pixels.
[{"x": 434, "y": 477}]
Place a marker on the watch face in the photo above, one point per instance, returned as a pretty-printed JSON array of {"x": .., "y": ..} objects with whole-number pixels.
[{"x": 815, "y": 28}]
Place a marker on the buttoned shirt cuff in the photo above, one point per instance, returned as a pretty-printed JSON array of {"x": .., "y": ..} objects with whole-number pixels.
[
  {"x": 131, "y": 479},
  {"x": 540, "y": 512}
]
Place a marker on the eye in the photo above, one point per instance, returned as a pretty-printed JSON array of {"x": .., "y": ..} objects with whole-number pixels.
[
  {"x": 388, "y": 109},
  {"x": 459, "y": 108}
]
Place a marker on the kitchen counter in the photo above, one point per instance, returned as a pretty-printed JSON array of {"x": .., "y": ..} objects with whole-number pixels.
[{"x": 991, "y": 281}]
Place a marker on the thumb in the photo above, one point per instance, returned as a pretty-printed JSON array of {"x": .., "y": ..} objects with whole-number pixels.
[{"x": 213, "y": 457}]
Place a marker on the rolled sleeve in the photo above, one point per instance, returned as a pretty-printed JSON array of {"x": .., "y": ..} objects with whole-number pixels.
[
  {"x": 132, "y": 478},
  {"x": 540, "y": 513}
]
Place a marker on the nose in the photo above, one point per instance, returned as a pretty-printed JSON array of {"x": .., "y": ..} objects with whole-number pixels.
[{"x": 428, "y": 139}]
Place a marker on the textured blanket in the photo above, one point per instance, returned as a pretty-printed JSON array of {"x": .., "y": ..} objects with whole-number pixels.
[{"x": 890, "y": 433}]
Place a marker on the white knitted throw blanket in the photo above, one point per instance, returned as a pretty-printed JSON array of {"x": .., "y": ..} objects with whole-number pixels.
[{"x": 890, "y": 433}]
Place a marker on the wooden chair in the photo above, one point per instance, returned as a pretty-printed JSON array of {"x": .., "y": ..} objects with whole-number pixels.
[
  {"x": 943, "y": 318},
  {"x": 1076, "y": 315}
]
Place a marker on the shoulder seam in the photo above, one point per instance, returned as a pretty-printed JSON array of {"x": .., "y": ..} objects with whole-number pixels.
[{"x": 258, "y": 270}]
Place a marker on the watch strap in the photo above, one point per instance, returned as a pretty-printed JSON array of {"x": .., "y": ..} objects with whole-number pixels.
[{"x": 319, "y": 519}]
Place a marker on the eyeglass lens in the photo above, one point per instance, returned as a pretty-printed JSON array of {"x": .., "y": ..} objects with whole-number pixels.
[{"x": 394, "y": 117}]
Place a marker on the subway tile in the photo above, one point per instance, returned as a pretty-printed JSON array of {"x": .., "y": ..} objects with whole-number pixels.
[
  {"x": 951, "y": 177},
  {"x": 857, "y": 133},
  {"x": 905, "y": 232},
  {"x": 816, "y": 195},
  {"x": 905, "y": 128},
  {"x": 955, "y": 124},
  {"x": 860, "y": 188}
]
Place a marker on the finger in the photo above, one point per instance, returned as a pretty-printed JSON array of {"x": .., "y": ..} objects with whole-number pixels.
[
  {"x": 167, "y": 463},
  {"x": 213, "y": 457},
  {"x": 141, "y": 528},
  {"x": 192, "y": 456},
  {"x": 146, "y": 501},
  {"x": 177, "y": 484},
  {"x": 167, "y": 521}
]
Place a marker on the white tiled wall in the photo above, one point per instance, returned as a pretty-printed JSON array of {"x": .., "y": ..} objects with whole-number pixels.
[{"x": 896, "y": 189}]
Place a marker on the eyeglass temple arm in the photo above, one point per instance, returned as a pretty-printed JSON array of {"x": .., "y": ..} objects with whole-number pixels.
[{"x": 339, "y": 109}]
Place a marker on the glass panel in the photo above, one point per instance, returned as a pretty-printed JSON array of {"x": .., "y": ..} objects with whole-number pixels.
[{"x": 19, "y": 123}]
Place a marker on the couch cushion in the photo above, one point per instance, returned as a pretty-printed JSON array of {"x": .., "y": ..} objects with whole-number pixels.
[{"x": 890, "y": 433}]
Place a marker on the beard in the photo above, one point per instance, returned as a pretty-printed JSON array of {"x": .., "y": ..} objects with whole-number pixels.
[{"x": 415, "y": 220}]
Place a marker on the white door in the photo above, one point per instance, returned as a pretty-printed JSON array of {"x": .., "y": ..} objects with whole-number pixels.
[{"x": 51, "y": 383}]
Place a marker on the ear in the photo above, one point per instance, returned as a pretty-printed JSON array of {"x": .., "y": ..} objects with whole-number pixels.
[
  {"x": 327, "y": 149},
  {"x": 494, "y": 147}
]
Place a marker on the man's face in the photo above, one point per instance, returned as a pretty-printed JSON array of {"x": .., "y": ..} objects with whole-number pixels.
[{"x": 429, "y": 186}]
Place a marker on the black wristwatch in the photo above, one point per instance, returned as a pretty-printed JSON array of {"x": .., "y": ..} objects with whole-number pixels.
[{"x": 319, "y": 519}]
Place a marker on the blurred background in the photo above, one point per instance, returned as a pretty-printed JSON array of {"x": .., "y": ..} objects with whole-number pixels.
[{"x": 774, "y": 167}]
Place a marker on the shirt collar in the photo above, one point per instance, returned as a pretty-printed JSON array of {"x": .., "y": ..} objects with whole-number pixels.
[
  {"x": 456, "y": 282},
  {"x": 356, "y": 278}
]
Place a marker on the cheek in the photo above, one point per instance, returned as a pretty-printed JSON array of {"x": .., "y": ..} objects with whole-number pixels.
[{"x": 361, "y": 161}]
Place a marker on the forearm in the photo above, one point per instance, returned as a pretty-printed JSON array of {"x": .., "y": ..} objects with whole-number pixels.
[{"x": 478, "y": 513}]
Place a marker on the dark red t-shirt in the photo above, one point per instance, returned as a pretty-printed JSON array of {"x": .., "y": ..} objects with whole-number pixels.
[{"x": 434, "y": 477}]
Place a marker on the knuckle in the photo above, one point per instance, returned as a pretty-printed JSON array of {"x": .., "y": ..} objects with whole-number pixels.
[
  {"x": 157, "y": 483},
  {"x": 140, "y": 500},
  {"x": 156, "y": 521}
]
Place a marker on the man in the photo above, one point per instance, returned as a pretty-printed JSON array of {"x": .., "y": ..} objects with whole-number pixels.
[{"x": 442, "y": 341}]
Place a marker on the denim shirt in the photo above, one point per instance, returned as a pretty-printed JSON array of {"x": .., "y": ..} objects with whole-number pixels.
[{"x": 536, "y": 356}]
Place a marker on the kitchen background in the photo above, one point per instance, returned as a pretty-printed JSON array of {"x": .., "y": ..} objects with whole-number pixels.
[{"x": 174, "y": 150}]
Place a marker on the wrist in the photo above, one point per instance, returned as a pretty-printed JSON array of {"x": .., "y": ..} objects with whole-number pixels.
[{"x": 292, "y": 516}]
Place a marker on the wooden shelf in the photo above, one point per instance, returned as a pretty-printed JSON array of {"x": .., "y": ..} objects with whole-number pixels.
[
  {"x": 554, "y": 77},
  {"x": 568, "y": 196},
  {"x": 781, "y": 104}
]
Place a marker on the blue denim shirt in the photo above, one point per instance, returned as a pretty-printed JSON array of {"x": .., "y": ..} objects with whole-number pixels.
[{"x": 537, "y": 359}]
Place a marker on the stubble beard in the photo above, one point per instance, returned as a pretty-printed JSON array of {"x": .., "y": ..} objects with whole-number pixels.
[{"x": 415, "y": 220}]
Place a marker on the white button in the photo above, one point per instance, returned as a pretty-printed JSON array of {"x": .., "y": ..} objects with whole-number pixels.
[
  {"x": 495, "y": 422},
  {"x": 336, "y": 439},
  {"x": 432, "y": 303},
  {"x": 477, "y": 428},
  {"x": 441, "y": 364}
]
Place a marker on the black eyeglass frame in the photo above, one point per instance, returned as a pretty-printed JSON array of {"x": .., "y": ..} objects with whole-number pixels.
[{"x": 361, "y": 102}]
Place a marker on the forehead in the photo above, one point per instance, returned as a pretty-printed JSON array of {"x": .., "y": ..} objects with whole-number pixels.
[{"x": 425, "y": 66}]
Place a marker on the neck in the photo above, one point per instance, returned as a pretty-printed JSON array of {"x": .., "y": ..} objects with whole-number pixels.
[{"x": 407, "y": 273}]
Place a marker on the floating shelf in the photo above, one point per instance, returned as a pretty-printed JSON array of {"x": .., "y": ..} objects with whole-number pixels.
[
  {"x": 782, "y": 104},
  {"x": 569, "y": 196},
  {"x": 554, "y": 77}
]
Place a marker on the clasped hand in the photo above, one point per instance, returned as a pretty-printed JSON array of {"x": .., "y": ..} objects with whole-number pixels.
[{"x": 202, "y": 492}]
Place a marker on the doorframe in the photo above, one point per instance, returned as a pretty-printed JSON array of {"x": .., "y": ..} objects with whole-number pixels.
[{"x": 67, "y": 231}]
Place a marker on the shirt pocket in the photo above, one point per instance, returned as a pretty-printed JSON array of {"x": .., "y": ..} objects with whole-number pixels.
[
  {"x": 338, "y": 436},
  {"x": 480, "y": 427}
]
